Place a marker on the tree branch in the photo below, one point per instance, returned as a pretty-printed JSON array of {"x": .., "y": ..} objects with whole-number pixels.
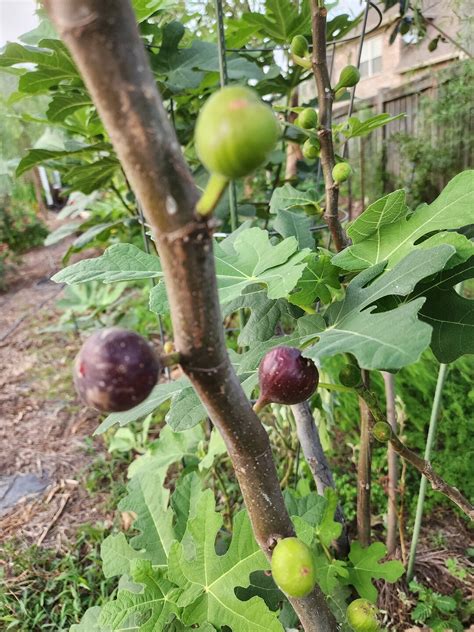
[
  {"x": 308, "y": 437},
  {"x": 103, "y": 38},
  {"x": 325, "y": 101},
  {"x": 392, "y": 511},
  {"x": 364, "y": 469},
  {"x": 383, "y": 432}
]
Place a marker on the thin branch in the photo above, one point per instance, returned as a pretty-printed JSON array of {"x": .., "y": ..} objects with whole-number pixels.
[
  {"x": 392, "y": 510},
  {"x": 103, "y": 38},
  {"x": 308, "y": 437},
  {"x": 437, "y": 483},
  {"x": 383, "y": 432},
  {"x": 325, "y": 101},
  {"x": 122, "y": 199},
  {"x": 364, "y": 469}
]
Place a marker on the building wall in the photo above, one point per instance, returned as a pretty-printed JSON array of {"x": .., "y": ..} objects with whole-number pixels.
[{"x": 401, "y": 61}]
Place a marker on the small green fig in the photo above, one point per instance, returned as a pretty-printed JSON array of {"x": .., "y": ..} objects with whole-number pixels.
[
  {"x": 235, "y": 132},
  {"x": 348, "y": 78},
  {"x": 293, "y": 567},
  {"x": 299, "y": 46},
  {"x": 350, "y": 376},
  {"x": 308, "y": 118},
  {"x": 311, "y": 148},
  {"x": 382, "y": 431},
  {"x": 341, "y": 172},
  {"x": 362, "y": 616},
  {"x": 404, "y": 27}
]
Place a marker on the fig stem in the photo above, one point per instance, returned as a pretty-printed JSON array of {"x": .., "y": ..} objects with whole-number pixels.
[
  {"x": 169, "y": 359},
  {"x": 304, "y": 62},
  {"x": 212, "y": 193},
  {"x": 260, "y": 404}
]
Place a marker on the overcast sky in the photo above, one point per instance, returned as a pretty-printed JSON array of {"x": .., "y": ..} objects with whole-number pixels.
[{"x": 18, "y": 16}]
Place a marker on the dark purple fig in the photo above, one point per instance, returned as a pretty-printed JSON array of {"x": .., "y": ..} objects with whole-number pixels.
[
  {"x": 115, "y": 370},
  {"x": 286, "y": 377}
]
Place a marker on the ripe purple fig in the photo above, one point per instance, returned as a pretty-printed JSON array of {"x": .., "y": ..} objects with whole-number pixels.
[
  {"x": 286, "y": 377},
  {"x": 115, "y": 370}
]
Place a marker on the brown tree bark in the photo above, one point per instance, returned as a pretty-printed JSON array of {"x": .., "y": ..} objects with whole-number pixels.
[
  {"x": 103, "y": 38},
  {"x": 392, "y": 510},
  {"x": 364, "y": 468}
]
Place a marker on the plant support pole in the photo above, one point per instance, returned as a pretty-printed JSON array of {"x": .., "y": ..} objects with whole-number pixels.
[
  {"x": 435, "y": 411},
  {"x": 104, "y": 41}
]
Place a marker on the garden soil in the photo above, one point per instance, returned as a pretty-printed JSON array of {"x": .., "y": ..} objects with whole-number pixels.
[{"x": 45, "y": 445}]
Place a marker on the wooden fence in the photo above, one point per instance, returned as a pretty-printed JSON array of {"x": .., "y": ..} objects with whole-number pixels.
[{"x": 379, "y": 160}]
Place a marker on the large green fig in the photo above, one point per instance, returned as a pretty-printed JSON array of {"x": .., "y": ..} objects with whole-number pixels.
[
  {"x": 293, "y": 567},
  {"x": 235, "y": 132}
]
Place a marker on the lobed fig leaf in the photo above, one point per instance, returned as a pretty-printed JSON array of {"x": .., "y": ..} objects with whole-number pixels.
[
  {"x": 115, "y": 370},
  {"x": 293, "y": 567}
]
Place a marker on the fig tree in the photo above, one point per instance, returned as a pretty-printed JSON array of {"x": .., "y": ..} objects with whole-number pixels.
[
  {"x": 308, "y": 118},
  {"x": 293, "y": 567},
  {"x": 115, "y": 370},
  {"x": 299, "y": 46},
  {"x": 362, "y": 616},
  {"x": 235, "y": 132},
  {"x": 341, "y": 172},
  {"x": 286, "y": 377}
]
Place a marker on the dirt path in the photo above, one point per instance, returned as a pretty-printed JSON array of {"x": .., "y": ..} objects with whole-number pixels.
[{"x": 44, "y": 431}]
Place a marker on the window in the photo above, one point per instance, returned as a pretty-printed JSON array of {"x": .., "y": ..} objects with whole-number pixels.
[{"x": 371, "y": 58}]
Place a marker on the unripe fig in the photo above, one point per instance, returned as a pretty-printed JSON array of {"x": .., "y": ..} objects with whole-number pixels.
[
  {"x": 350, "y": 376},
  {"x": 115, "y": 370},
  {"x": 404, "y": 27},
  {"x": 308, "y": 118},
  {"x": 382, "y": 431},
  {"x": 348, "y": 78},
  {"x": 235, "y": 132},
  {"x": 311, "y": 148},
  {"x": 293, "y": 567},
  {"x": 286, "y": 377},
  {"x": 299, "y": 46},
  {"x": 341, "y": 172},
  {"x": 362, "y": 616}
]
